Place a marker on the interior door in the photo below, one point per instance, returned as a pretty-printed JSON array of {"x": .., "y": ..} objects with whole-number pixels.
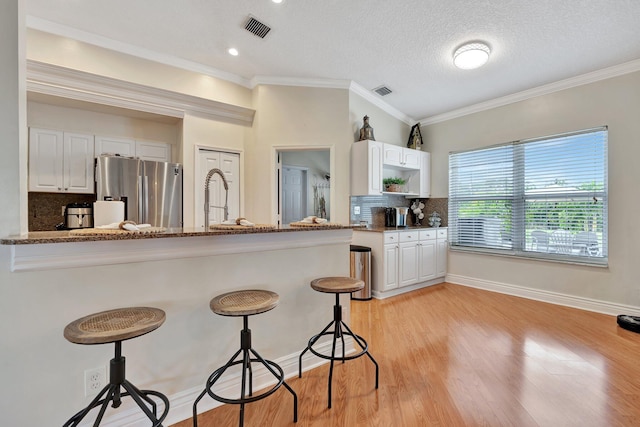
[
  {"x": 294, "y": 194},
  {"x": 229, "y": 163}
]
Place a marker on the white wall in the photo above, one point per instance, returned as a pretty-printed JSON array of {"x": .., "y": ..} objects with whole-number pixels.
[{"x": 614, "y": 102}]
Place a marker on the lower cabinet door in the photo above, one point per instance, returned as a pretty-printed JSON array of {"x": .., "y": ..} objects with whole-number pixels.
[
  {"x": 426, "y": 260},
  {"x": 390, "y": 267},
  {"x": 408, "y": 264}
]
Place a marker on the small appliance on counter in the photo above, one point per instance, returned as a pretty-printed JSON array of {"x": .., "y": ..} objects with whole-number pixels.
[
  {"x": 396, "y": 217},
  {"x": 77, "y": 215},
  {"x": 401, "y": 216},
  {"x": 390, "y": 217}
]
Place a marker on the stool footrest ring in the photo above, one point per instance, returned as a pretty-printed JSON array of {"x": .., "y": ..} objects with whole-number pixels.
[{"x": 218, "y": 373}]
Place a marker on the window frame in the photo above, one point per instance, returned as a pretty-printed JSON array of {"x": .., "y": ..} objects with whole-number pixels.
[{"x": 520, "y": 240}]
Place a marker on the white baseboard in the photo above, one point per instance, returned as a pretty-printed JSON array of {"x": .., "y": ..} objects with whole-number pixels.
[
  {"x": 181, "y": 403},
  {"x": 588, "y": 304}
]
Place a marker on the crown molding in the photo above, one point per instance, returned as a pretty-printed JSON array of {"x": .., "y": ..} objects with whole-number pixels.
[
  {"x": 592, "y": 77},
  {"x": 65, "y": 82},
  {"x": 300, "y": 82},
  {"x": 375, "y": 100},
  {"x": 129, "y": 49},
  {"x": 136, "y": 51}
]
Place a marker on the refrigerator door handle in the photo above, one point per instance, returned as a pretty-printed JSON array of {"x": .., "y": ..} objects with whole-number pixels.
[
  {"x": 141, "y": 198},
  {"x": 145, "y": 200}
]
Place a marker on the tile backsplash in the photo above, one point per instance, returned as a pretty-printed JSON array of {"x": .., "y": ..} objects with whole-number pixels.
[
  {"x": 45, "y": 209},
  {"x": 372, "y": 208}
]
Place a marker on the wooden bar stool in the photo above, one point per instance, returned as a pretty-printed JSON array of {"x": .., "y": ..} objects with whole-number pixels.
[
  {"x": 115, "y": 326},
  {"x": 245, "y": 303},
  {"x": 337, "y": 286}
]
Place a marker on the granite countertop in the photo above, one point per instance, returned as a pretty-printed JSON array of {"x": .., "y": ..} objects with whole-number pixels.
[
  {"x": 377, "y": 229},
  {"x": 40, "y": 237}
]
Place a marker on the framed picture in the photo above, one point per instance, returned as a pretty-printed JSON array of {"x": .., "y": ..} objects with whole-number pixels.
[{"x": 415, "y": 137}]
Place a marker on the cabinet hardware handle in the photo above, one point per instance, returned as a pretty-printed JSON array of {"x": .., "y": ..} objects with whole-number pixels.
[{"x": 59, "y": 188}]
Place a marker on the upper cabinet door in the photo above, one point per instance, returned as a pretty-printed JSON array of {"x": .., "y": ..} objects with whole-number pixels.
[
  {"x": 411, "y": 158},
  {"x": 109, "y": 145},
  {"x": 425, "y": 174},
  {"x": 78, "y": 163},
  {"x": 156, "y": 151},
  {"x": 393, "y": 155},
  {"x": 46, "y": 160}
]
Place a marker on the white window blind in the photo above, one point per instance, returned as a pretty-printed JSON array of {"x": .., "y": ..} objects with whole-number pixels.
[{"x": 542, "y": 198}]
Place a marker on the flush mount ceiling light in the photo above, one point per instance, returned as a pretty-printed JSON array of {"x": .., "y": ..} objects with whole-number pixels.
[
  {"x": 233, "y": 51},
  {"x": 471, "y": 55}
]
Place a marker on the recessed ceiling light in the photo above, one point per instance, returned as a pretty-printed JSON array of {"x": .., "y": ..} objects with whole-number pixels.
[
  {"x": 233, "y": 51},
  {"x": 471, "y": 55},
  {"x": 277, "y": 1}
]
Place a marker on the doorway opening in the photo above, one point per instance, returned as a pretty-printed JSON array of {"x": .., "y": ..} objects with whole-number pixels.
[{"x": 303, "y": 184}]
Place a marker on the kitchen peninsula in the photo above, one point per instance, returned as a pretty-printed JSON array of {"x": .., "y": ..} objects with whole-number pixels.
[{"x": 178, "y": 271}]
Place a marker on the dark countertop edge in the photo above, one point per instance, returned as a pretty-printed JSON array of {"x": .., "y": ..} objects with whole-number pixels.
[
  {"x": 42, "y": 237},
  {"x": 383, "y": 229}
]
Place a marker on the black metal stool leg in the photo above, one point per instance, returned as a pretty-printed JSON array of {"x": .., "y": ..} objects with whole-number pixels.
[
  {"x": 312, "y": 341},
  {"x": 113, "y": 394},
  {"x": 246, "y": 350},
  {"x": 337, "y": 333}
]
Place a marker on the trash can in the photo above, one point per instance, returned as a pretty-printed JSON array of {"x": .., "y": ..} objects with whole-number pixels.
[{"x": 361, "y": 269}]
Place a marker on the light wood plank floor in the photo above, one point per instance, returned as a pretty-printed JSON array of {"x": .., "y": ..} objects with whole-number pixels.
[{"x": 456, "y": 356}]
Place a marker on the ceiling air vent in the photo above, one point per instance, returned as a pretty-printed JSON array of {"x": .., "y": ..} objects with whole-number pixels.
[
  {"x": 256, "y": 27},
  {"x": 382, "y": 90}
]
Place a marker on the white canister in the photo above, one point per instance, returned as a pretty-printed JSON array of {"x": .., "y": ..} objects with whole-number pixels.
[{"x": 107, "y": 212}]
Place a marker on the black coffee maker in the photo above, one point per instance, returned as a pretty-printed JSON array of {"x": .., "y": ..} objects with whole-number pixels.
[{"x": 390, "y": 217}]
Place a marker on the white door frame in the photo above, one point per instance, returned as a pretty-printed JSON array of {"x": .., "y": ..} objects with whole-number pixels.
[
  {"x": 275, "y": 176},
  {"x": 198, "y": 187}
]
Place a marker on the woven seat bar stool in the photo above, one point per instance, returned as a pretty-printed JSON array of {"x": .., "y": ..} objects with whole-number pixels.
[
  {"x": 337, "y": 286},
  {"x": 115, "y": 326},
  {"x": 245, "y": 303}
]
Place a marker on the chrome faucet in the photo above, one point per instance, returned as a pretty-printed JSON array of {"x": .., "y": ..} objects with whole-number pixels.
[{"x": 206, "y": 196}]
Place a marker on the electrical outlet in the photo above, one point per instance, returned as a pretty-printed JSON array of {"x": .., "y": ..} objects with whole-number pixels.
[
  {"x": 356, "y": 210},
  {"x": 94, "y": 380}
]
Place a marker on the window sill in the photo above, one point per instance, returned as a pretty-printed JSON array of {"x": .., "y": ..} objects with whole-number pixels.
[{"x": 600, "y": 262}]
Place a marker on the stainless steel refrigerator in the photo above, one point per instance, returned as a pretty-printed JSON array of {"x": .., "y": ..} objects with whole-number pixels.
[{"x": 151, "y": 191}]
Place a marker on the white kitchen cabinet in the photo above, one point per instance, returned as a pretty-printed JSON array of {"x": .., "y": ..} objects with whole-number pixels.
[
  {"x": 441, "y": 251},
  {"x": 425, "y": 174},
  {"x": 60, "y": 162},
  {"x": 156, "y": 151},
  {"x": 408, "y": 258},
  {"x": 366, "y": 168},
  {"x": 372, "y": 161},
  {"x": 404, "y": 260},
  {"x": 427, "y": 257},
  {"x": 402, "y": 157},
  {"x": 111, "y": 145},
  {"x": 389, "y": 272}
]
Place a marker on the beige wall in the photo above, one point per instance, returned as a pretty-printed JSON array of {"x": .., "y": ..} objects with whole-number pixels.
[
  {"x": 68, "y": 53},
  {"x": 614, "y": 102},
  {"x": 198, "y": 132},
  {"x": 386, "y": 128},
  {"x": 103, "y": 124},
  {"x": 296, "y": 117}
]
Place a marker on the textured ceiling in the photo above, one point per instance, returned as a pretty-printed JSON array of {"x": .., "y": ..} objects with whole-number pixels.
[{"x": 404, "y": 44}]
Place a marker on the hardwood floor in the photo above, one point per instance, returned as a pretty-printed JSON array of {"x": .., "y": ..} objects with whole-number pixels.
[{"x": 456, "y": 356}]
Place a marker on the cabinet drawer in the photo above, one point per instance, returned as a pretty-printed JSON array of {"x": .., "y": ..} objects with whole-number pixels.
[
  {"x": 427, "y": 234},
  {"x": 442, "y": 233},
  {"x": 390, "y": 238},
  {"x": 408, "y": 236}
]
